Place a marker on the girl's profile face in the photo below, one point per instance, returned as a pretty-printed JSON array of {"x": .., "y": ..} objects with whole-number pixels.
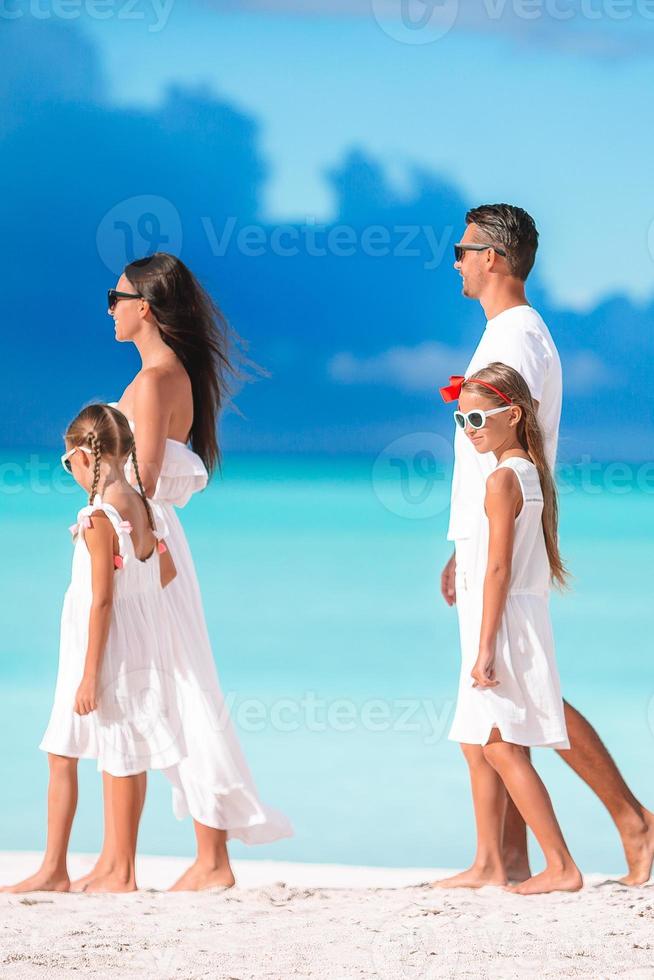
[
  {"x": 497, "y": 430},
  {"x": 127, "y": 312}
]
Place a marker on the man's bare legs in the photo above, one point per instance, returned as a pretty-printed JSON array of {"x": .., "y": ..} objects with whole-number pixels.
[
  {"x": 106, "y": 861},
  {"x": 62, "y": 803},
  {"x": 489, "y": 800},
  {"x": 211, "y": 868},
  {"x": 590, "y": 759},
  {"x": 527, "y": 791},
  {"x": 127, "y": 793}
]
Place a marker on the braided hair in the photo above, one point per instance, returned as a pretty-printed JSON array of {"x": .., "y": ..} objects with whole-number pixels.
[
  {"x": 140, "y": 483},
  {"x": 105, "y": 432}
]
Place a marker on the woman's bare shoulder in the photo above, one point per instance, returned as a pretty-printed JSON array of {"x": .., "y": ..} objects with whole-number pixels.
[{"x": 159, "y": 381}]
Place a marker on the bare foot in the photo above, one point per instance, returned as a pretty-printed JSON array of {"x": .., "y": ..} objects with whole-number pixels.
[
  {"x": 517, "y": 866},
  {"x": 566, "y": 880},
  {"x": 475, "y": 877},
  {"x": 98, "y": 871},
  {"x": 111, "y": 882},
  {"x": 639, "y": 851},
  {"x": 199, "y": 877},
  {"x": 42, "y": 881}
]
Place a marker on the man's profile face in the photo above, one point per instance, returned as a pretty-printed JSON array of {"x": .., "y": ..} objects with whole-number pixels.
[{"x": 471, "y": 268}]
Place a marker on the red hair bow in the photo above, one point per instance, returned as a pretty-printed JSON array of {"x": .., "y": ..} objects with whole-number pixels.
[{"x": 452, "y": 391}]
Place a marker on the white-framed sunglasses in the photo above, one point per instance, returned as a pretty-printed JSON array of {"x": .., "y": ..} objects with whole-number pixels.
[
  {"x": 65, "y": 459},
  {"x": 476, "y": 419}
]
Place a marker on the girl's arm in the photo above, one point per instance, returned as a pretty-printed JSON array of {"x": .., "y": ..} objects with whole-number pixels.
[
  {"x": 502, "y": 503},
  {"x": 167, "y": 568},
  {"x": 100, "y": 542},
  {"x": 152, "y": 414}
]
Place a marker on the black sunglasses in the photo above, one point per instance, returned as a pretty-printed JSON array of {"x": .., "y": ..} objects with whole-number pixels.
[
  {"x": 460, "y": 249},
  {"x": 113, "y": 295}
]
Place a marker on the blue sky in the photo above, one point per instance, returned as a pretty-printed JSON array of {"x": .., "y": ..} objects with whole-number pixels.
[
  {"x": 554, "y": 115},
  {"x": 109, "y": 129}
]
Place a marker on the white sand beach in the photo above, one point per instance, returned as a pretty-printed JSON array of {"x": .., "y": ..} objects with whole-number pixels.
[{"x": 322, "y": 921}]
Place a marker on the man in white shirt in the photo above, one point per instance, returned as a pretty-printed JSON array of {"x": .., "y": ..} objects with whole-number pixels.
[{"x": 494, "y": 259}]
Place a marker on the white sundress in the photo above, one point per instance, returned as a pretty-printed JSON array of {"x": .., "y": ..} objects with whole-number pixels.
[
  {"x": 212, "y": 783},
  {"x": 526, "y": 707},
  {"x": 136, "y": 725}
]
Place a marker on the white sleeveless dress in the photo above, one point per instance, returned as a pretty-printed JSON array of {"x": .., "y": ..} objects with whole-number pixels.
[
  {"x": 526, "y": 706},
  {"x": 212, "y": 783},
  {"x": 136, "y": 725}
]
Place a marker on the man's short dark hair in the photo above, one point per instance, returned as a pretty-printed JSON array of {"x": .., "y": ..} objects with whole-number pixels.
[{"x": 511, "y": 227}]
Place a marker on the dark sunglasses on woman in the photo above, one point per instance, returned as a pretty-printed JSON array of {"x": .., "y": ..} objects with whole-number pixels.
[{"x": 113, "y": 295}]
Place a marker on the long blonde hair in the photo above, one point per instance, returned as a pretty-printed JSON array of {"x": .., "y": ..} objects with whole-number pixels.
[
  {"x": 530, "y": 437},
  {"x": 106, "y": 432}
]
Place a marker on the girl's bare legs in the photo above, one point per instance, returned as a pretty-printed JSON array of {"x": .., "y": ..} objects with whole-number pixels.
[
  {"x": 489, "y": 799},
  {"x": 106, "y": 861},
  {"x": 528, "y": 792},
  {"x": 52, "y": 876},
  {"x": 127, "y": 794},
  {"x": 211, "y": 868}
]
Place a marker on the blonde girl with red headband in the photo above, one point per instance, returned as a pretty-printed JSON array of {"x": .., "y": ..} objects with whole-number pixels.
[
  {"x": 509, "y": 696},
  {"x": 114, "y": 699}
]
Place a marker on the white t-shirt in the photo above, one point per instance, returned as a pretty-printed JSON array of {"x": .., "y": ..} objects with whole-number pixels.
[{"x": 517, "y": 337}]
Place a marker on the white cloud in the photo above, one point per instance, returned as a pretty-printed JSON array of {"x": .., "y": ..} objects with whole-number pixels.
[
  {"x": 412, "y": 369},
  {"x": 426, "y": 367},
  {"x": 584, "y": 370}
]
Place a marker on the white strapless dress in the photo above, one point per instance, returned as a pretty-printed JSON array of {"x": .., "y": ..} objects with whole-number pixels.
[{"x": 212, "y": 783}]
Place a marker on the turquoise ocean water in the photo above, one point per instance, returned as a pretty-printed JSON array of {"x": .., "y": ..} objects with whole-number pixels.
[{"x": 320, "y": 578}]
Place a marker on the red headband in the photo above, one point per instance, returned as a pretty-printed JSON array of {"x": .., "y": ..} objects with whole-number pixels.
[{"x": 452, "y": 392}]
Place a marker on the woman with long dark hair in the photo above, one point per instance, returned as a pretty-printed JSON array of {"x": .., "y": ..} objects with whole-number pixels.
[{"x": 189, "y": 358}]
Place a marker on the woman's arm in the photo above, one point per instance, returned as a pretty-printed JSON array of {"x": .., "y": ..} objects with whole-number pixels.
[
  {"x": 152, "y": 414},
  {"x": 503, "y": 499},
  {"x": 100, "y": 542}
]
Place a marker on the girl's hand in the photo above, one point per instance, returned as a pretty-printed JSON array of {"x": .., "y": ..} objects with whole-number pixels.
[
  {"x": 86, "y": 699},
  {"x": 483, "y": 673}
]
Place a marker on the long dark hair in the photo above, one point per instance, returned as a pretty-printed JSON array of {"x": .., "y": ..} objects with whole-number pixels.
[
  {"x": 530, "y": 437},
  {"x": 193, "y": 326}
]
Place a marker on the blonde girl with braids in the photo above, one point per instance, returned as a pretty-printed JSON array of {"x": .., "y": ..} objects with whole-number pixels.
[
  {"x": 509, "y": 693},
  {"x": 114, "y": 700}
]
